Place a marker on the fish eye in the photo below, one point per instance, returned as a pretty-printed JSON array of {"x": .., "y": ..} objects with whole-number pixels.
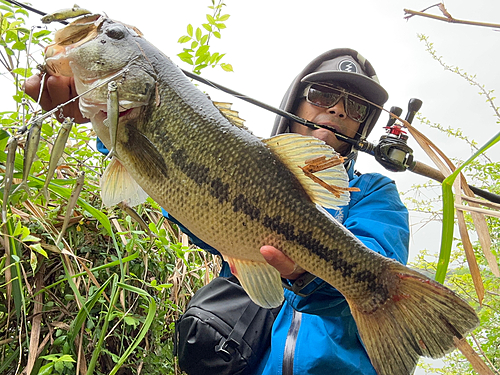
[{"x": 115, "y": 32}]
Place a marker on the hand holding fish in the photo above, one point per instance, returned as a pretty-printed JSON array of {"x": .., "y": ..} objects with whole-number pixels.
[
  {"x": 285, "y": 266},
  {"x": 56, "y": 90}
]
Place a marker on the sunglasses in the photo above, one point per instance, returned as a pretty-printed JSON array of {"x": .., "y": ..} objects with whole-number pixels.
[{"x": 326, "y": 97}]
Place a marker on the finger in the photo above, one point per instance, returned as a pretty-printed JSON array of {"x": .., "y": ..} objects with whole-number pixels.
[
  {"x": 32, "y": 86},
  {"x": 60, "y": 90},
  {"x": 285, "y": 266}
]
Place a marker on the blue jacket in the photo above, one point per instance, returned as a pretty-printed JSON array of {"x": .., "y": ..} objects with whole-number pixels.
[{"x": 316, "y": 334}]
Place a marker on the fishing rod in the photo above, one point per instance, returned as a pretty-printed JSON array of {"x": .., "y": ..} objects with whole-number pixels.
[{"x": 392, "y": 150}]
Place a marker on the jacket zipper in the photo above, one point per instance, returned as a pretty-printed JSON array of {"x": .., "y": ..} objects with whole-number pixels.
[{"x": 291, "y": 341}]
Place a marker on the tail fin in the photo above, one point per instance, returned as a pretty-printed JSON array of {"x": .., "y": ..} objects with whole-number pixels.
[{"x": 420, "y": 319}]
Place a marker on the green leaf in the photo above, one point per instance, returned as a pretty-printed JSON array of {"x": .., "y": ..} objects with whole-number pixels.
[
  {"x": 14, "y": 26},
  {"x": 186, "y": 59},
  {"x": 207, "y": 27},
  {"x": 210, "y": 19},
  {"x": 67, "y": 358},
  {"x": 27, "y": 237},
  {"x": 46, "y": 369},
  {"x": 9, "y": 15},
  {"x": 216, "y": 34},
  {"x": 83, "y": 313},
  {"x": 198, "y": 34},
  {"x": 145, "y": 327},
  {"x": 185, "y": 54},
  {"x": 190, "y": 30},
  {"x": 4, "y": 138},
  {"x": 22, "y": 72},
  {"x": 18, "y": 229},
  {"x": 59, "y": 366},
  {"x": 449, "y": 213},
  {"x": 224, "y": 17},
  {"x": 41, "y": 34},
  {"x": 213, "y": 58},
  {"x": 184, "y": 39},
  {"x": 5, "y": 7},
  {"x": 201, "y": 60},
  {"x": 131, "y": 321},
  {"x": 220, "y": 57},
  {"x": 23, "y": 11},
  {"x": 38, "y": 248},
  {"x": 226, "y": 67},
  {"x": 202, "y": 50}
]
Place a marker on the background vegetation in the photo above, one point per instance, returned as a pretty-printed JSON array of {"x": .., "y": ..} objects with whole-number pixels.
[{"x": 105, "y": 299}]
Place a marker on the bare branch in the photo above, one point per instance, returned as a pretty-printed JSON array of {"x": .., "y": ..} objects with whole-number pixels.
[{"x": 449, "y": 19}]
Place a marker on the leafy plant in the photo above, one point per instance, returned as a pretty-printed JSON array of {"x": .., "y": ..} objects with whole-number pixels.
[
  {"x": 198, "y": 54},
  {"x": 482, "y": 172},
  {"x": 109, "y": 293}
]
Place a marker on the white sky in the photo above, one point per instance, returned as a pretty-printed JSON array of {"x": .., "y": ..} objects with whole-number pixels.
[{"x": 269, "y": 42}]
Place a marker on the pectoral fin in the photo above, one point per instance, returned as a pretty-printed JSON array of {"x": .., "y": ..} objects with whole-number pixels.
[
  {"x": 261, "y": 281},
  {"x": 117, "y": 186}
]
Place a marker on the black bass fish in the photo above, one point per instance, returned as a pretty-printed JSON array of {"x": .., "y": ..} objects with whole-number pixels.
[{"x": 237, "y": 193}]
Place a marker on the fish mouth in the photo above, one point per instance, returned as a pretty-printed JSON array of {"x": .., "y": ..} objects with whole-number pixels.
[
  {"x": 96, "y": 109},
  {"x": 75, "y": 34},
  {"x": 127, "y": 113}
]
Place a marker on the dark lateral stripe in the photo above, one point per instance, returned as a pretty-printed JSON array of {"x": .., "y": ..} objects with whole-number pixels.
[
  {"x": 200, "y": 174},
  {"x": 197, "y": 172},
  {"x": 219, "y": 190},
  {"x": 334, "y": 257},
  {"x": 240, "y": 203}
]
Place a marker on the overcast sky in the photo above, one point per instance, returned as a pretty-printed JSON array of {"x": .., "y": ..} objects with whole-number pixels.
[{"x": 269, "y": 42}]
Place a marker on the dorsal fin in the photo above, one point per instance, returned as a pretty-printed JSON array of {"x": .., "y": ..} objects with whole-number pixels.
[
  {"x": 318, "y": 167},
  {"x": 231, "y": 115}
]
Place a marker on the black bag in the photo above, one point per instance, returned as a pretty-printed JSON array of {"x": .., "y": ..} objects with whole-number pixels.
[{"x": 222, "y": 331}]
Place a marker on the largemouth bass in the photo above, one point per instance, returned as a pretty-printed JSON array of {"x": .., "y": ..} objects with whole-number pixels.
[{"x": 238, "y": 193}]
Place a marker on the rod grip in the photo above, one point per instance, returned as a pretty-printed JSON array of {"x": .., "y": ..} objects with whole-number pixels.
[{"x": 427, "y": 171}]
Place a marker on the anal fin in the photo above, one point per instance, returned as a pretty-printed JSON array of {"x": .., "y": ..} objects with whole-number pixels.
[{"x": 261, "y": 281}]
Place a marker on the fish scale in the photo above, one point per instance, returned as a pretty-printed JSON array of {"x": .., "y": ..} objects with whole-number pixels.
[{"x": 238, "y": 193}]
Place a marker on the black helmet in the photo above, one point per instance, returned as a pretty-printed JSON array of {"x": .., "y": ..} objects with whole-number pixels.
[{"x": 346, "y": 67}]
